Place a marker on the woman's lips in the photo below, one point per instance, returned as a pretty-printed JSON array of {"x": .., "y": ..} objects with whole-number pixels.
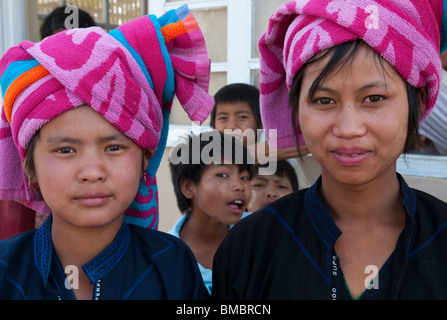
[{"x": 350, "y": 157}]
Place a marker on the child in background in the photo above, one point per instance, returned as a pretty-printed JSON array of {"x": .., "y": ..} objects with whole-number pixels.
[
  {"x": 211, "y": 195},
  {"x": 84, "y": 122},
  {"x": 237, "y": 107},
  {"x": 54, "y": 22},
  {"x": 266, "y": 189}
]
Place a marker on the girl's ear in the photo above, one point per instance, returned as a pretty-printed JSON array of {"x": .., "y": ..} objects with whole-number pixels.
[
  {"x": 187, "y": 187},
  {"x": 422, "y": 98}
]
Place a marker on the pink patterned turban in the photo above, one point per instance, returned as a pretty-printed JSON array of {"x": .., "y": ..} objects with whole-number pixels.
[
  {"x": 129, "y": 76},
  {"x": 409, "y": 34}
]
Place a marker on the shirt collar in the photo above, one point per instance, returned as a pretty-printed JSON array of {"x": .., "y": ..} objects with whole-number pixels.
[
  {"x": 323, "y": 223},
  {"x": 95, "y": 268}
]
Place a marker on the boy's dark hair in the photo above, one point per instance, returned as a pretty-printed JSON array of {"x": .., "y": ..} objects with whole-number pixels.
[
  {"x": 55, "y": 21},
  {"x": 238, "y": 92},
  {"x": 192, "y": 164},
  {"x": 284, "y": 170},
  {"x": 340, "y": 55}
]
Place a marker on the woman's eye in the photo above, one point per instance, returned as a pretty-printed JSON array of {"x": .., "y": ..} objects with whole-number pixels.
[
  {"x": 324, "y": 101},
  {"x": 245, "y": 178},
  {"x": 374, "y": 98},
  {"x": 222, "y": 175}
]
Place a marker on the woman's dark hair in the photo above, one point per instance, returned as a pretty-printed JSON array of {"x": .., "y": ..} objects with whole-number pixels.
[
  {"x": 55, "y": 21},
  {"x": 339, "y": 56},
  {"x": 238, "y": 92},
  {"x": 187, "y": 161}
]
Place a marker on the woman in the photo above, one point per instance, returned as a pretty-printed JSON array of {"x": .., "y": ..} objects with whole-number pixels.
[{"x": 358, "y": 90}]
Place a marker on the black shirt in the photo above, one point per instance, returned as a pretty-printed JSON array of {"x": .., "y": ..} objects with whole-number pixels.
[
  {"x": 286, "y": 251},
  {"x": 139, "y": 264}
]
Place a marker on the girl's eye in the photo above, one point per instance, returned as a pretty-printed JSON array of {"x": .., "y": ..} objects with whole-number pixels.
[
  {"x": 65, "y": 150},
  {"x": 258, "y": 185},
  {"x": 222, "y": 175},
  {"x": 374, "y": 98},
  {"x": 245, "y": 178},
  {"x": 113, "y": 148}
]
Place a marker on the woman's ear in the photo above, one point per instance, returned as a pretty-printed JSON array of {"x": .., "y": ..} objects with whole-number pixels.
[
  {"x": 147, "y": 154},
  {"x": 187, "y": 187},
  {"x": 422, "y": 99}
]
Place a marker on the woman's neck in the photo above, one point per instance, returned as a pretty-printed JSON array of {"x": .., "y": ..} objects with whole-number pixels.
[{"x": 373, "y": 202}]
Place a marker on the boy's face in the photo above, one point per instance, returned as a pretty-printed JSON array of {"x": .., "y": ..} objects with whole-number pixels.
[
  {"x": 266, "y": 189},
  {"x": 222, "y": 193},
  {"x": 237, "y": 115},
  {"x": 87, "y": 170}
]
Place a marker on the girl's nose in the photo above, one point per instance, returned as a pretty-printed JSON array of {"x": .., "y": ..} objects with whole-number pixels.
[{"x": 92, "y": 170}]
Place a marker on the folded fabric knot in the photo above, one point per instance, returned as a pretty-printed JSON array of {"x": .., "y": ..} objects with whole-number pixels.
[
  {"x": 129, "y": 76},
  {"x": 409, "y": 34}
]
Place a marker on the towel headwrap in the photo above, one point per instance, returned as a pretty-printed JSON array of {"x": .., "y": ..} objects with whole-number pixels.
[
  {"x": 409, "y": 34},
  {"x": 129, "y": 76}
]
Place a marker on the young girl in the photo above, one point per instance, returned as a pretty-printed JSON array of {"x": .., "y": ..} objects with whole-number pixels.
[
  {"x": 86, "y": 114},
  {"x": 358, "y": 87}
]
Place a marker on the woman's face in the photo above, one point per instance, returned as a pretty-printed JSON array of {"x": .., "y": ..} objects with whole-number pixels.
[{"x": 356, "y": 124}]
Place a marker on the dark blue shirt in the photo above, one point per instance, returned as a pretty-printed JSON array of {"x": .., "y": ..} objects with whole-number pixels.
[
  {"x": 286, "y": 251},
  {"x": 139, "y": 264}
]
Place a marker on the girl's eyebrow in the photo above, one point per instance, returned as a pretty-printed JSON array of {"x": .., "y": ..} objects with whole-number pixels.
[{"x": 57, "y": 139}]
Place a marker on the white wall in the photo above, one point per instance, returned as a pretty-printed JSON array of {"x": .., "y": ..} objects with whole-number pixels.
[{"x": 12, "y": 23}]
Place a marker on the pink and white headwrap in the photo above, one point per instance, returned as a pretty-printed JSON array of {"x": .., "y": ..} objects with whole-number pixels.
[
  {"x": 409, "y": 34},
  {"x": 129, "y": 76}
]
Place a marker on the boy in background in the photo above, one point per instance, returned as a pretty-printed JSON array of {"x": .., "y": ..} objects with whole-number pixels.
[
  {"x": 212, "y": 195},
  {"x": 269, "y": 188}
]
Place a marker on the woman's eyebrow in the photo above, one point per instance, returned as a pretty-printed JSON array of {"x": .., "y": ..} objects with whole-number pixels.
[{"x": 375, "y": 84}]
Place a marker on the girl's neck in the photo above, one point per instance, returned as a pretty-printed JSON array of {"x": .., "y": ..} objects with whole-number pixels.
[
  {"x": 373, "y": 202},
  {"x": 77, "y": 246}
]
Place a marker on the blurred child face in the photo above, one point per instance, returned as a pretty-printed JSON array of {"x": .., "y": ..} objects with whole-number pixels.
[
  {"x": 87, "y": 170},
  {"x": 356, "y": 124},
  {"x": 266, "y": 189},
  {"x": 222, "y": 193},
  {"x": 237, "y": 115}
]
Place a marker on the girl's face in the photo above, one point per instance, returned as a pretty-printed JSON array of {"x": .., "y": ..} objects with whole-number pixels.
[
  {"x": 87, "y": 170},
  {"x": 222, "y": 193},
  {"x": 356, "y": 123}
]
